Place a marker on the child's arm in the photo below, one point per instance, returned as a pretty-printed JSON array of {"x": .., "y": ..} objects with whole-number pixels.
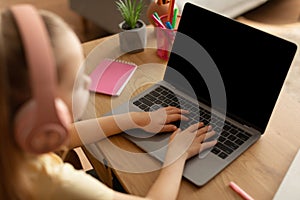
[
  {"x": 92, "y": 130},
  {"x": 183, "y": 145}
]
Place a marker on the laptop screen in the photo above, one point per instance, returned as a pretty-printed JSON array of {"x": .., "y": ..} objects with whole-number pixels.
[{"x": 252, "y": 64}]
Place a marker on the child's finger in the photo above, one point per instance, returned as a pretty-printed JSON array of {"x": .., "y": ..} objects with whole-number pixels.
[
  {"x": 173, "y": 110},
  {"x": 169, "y": 128},
  {"x": 204, "y": 130},
  {"x": 209, "y": 135},
  {"x": 206, "y": 145},
  {"x": 176, "y": 117},
  {"x": 203, "y": 137},
  {"x": 195, "y": 126}
]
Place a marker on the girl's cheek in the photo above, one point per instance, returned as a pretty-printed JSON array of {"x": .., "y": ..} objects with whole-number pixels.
[{"x": 80, "y": 101}]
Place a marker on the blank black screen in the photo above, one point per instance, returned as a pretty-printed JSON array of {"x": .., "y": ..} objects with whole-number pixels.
[{"x": 252, "y": 63}]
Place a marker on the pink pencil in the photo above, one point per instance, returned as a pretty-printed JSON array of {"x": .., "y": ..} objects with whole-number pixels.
[
  {"x": 157, "y": 22},
  {"x": 240, "y": 191}
]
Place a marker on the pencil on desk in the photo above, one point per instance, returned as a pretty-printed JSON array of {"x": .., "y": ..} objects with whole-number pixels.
[{"x": 240, "y": 191}]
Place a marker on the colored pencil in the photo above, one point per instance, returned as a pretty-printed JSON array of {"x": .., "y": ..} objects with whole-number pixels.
[
  {"x": 174, "y": 17},
  {"x": 157, "y": 22},
  {"x": 171, "y": 10}
]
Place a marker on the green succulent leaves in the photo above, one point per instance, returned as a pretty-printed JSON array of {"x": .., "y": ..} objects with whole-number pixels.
[{"x": 130, "y": 11}]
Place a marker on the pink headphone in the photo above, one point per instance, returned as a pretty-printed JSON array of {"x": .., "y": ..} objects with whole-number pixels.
[{"x": 41, "y": 125}]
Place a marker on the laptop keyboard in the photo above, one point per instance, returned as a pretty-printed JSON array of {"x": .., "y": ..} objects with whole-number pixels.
[{"x": 230, "y": 136}]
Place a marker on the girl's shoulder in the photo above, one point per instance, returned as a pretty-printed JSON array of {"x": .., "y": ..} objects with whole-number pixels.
[{"x": 52, "y": 177}]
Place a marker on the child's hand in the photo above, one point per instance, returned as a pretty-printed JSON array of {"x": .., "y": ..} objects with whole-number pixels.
[
  {"x": 161, "y": 119},
  {"x": 192, "y": 140}
]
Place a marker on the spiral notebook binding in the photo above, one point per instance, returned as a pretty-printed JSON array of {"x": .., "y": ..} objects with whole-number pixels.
[{"x": 121, "y": 61}]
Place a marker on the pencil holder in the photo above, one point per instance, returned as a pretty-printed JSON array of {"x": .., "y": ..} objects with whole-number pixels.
[{"x": 165, "y": 38}]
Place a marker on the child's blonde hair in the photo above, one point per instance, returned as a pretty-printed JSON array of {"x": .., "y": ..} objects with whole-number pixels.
[{"x": 15, "y": 91}]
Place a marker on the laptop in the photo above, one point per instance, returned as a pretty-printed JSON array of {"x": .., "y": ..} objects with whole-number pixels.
[{"x": 226, "y": 74}]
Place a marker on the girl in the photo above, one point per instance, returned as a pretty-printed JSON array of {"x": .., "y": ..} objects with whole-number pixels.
[{"x": 31, "y": 170}]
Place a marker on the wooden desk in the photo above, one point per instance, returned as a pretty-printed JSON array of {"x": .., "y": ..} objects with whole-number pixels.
[{"x": 259, "y": 171}]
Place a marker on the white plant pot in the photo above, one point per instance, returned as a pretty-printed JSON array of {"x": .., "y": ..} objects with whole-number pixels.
[{"x": 133, "y": 40}]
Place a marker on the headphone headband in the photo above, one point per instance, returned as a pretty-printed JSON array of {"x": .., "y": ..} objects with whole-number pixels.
[
  {"x": 39, "y": 57},
  {"x": 47, "y": 124}
]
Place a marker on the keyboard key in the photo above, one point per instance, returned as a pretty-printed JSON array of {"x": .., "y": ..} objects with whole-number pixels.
[
  {"x": 233, "y": 131},
  {"x": 231, "y": 137},
  {"x": 239, "y": 142},
  {"x": 147, "y": 102},
  {"x": 224, "y": 148},
  {"x": 225, "y": 134},
  {"x": 242, "y": 136},
  {"x": 223, "y": 155},
  {"x": 215, "y": 150},
  {"x": 221, "y": 138},
  {"x": 150, "y": 97},
  {"x": 231, "y": 144},
  {"x": 137, "y": 103},
  {"x": 154, "y": 93},
  {"x": 144, "y": 107}
]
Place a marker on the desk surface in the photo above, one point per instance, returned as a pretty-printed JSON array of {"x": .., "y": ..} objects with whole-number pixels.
[{"x": 259, "y": 171}]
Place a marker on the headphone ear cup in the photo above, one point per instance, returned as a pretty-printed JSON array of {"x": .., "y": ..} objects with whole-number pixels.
[{"x": 41, "y": 138}]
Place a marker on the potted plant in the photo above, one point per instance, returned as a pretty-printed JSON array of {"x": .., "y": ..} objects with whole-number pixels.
[{"x": 133, "y": 36}]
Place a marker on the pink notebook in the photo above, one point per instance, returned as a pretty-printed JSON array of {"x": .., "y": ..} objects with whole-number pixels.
[{"x": 111, "y": 76}]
